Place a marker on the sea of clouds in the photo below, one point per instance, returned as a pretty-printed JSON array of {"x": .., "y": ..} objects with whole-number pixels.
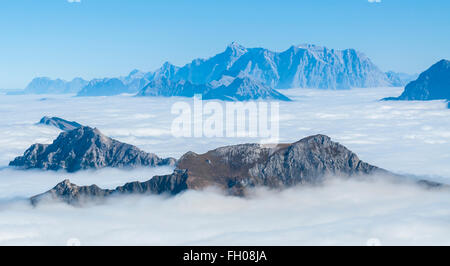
[{"x": 404, "y": 137}]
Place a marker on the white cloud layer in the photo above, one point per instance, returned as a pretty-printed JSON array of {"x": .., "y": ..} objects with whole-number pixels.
[
  {"x": 404, "y": 137},
  {"x": 341, "y": 213}
]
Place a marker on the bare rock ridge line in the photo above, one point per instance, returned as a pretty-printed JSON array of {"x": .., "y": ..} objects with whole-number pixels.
[
  {"x": 86, "y": 148},
  {"x": 432, "y": 84},
  {"x": 77, "y": 195},
  {"x": 59, "y": 123},
  {"x": 261, "y": 70},
  {"x": 236, "y": 169}
]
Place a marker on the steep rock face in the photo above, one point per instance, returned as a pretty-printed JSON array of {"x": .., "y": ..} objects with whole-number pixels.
[
  {"x": 236, "y": 89},
  {"x": 433, "y": 84},
  {"x": 46, "y": 85},
  {"x": 86, "y": 148},
  {"x": 241, "y": 73},
  {"x": 235, "y": 169},
  {"x": 59, "y": 123},
  {"x": 244, "y": 89},
  {"x": 166, "y": 88},
  {"x": 132, "y": 83},
  {"x": 77, "y": 195},
  {"x": 103, "y": 87},
  {"x": 310, "y": 66}
]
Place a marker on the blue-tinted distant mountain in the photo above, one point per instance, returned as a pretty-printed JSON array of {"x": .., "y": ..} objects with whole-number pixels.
[
  {"x": 400, "y": 79},
  {"x": 237, "y": 89},
  {"x": 166, "y": 88},
  {"x": 132, "y": 83},
  {"x": 46, "y": 85},
  {"x": 103, "y": 87},
  {"x": 86, "y": 148},
  {"x": 136, "y": 80},
  {"x": 304, "y": 66},
  {"x": 59, "y": 123},
  {"x": 241, "y": 73},
  {"x": 244, "y": 89},
  {"x": 433, "y": 84}
]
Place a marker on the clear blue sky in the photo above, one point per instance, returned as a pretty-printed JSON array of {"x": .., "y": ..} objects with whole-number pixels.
[{"x": 101, "y": 38}]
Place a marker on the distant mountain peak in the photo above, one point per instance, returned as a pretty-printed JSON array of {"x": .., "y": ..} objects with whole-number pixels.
[
  {"x": 236, "y": 170},
  {"x": 432, "y": 84},
  {"x": 310, "y": 46},
  {"x": 301, "y": 66},
  {"x": 236, "y": 49},
  {"x": 235, "y": 46},
  {"x": 86, "y": 148}
]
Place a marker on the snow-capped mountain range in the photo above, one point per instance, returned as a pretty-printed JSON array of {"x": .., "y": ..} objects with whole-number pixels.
[{"x": 259, "y": 71}]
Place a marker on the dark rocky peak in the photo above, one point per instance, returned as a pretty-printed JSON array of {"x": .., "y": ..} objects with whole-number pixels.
[
  {"x": 238, "y": 168},
  {"x": 59, "y": 123}
]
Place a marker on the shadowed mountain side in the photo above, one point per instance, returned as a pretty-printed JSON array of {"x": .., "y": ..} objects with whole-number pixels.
[
  {"x": 59, "y": 123},
  {"x": 433, "y": 84},
  {"x": 86, "y": 148},
  {"x": 236, "y": 169},
  {"x": 231, "y": 89}
]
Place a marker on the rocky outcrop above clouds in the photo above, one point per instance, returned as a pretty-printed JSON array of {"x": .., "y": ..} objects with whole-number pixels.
[
  {"x": 301, "y": 66},
  {"x": 433, "y": 84},
  {"x": 86, "y": 148},
  {"x": 44, "y": 85},
  {"x": 236, "y": 169},
  {"x": 59, "y": 123},
  {"x": 237, "y": 89}
]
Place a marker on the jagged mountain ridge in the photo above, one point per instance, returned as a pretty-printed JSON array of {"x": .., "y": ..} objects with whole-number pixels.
[
  {"x": 238, "y": 168},
  {"x": 432, "y": 84},
  {"x": 45, "y": 85},
  {"x": 244, "y": 89},
  {"x": 304, "y": 66},
  {"x": 86, "y": 148}
]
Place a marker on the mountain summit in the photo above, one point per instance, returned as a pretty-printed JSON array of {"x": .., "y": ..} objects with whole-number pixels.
[
  {"x": 300, "y": 66},
  {"x": 59, "y": 123},
  {"x": 86, "y": 148},
  {"x": 305, "y": 66},
  {"x": 236, "y": 169},
  {"x": 433, "y": 84}
]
